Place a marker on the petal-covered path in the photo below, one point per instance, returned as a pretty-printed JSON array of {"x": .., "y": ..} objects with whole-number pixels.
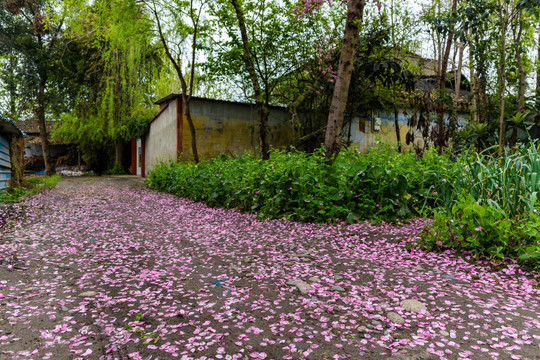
[{"x": 101, "y": 268}]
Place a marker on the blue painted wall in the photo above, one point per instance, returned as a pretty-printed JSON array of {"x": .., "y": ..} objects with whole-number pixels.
[{"x": 5, "y": 162}]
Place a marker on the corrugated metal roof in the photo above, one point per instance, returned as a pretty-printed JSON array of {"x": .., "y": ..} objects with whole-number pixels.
[
  {"x": 7, "y": 126},
  {"x": 173, "y": 96},
  {"x": 31, "y": 126}
]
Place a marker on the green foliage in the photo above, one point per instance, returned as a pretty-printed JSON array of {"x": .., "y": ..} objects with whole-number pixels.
[
  {"x": 382, "y": 184},
  {"x": 31, "y": 186},
  {"x": 12, "y": 194},
  {"x": 116, "y": 169},
  {"x": 511, "y": 181},
  {"x": 480, "y": 203},
  {"x": 485, "y": 229},
  {"x": 138, "y": 124},
  {"x": 115, "y": 82},
  {"x": 491, "y": 208},
  {"x": 482, "y": 228},
  {"x": 289, "y": 50}
]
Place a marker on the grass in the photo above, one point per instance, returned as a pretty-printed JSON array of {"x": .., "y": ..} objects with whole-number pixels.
[{"x": 31, "y": 186}]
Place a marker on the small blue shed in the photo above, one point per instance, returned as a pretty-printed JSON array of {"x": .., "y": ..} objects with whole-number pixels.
[{"x": 8, "y": 130}]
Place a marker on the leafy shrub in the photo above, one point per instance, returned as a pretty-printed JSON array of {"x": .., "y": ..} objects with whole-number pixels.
[
  {"x": 13, "y": 194},
  {"x": 116, "y": 169},
  {"x": 382, "y": 184},
  {"x": 492, "y": 207},
  {"x": 472, "y": 226},
  {"x": 480, "y": 202},
  {"x": 484, "y": 229}
]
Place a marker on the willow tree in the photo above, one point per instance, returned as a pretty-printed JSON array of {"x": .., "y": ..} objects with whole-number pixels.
[{"x": 115, "y": 89}]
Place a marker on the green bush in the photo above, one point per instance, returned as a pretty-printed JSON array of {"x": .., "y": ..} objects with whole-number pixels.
[
  {"x": 491, "y": 208},
  {"x": 484, "y": 229},
  {"x": 480, "y": 202},
  {"x": 382, "y": 184},
  {"x": 116, "y": 169},
  {"x": 12, "y": 194}
]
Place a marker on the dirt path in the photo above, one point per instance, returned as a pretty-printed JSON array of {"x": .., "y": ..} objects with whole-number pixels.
[{"x": 101, "y": 269}]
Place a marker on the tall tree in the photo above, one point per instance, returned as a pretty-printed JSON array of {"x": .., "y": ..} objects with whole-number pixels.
[
  {"x": 186, "y": 19},
  {"x": 537, "y": 87},
  {"x": 270, "y": 52},
  {"x": 332, "y": 141},
  {"x": 402, "y": 31},
  {"x": 441, "y": 138},
  {"x": 262, "y": 106},
  {"x": 31, "y": 29},
  {"x": 503, "y": 13},
  {"x": 114, "y": 66}
]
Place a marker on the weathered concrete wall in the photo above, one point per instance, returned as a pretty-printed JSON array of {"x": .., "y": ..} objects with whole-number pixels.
[
  {"x": 160, "y": 142},
  {"x": 35, "y": 149},
  {"x": 231, "y": 128},
  {"x": 363, "y": 137}
]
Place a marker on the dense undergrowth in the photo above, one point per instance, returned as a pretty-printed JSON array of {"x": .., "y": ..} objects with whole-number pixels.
[{"x": 480, "y": 202}]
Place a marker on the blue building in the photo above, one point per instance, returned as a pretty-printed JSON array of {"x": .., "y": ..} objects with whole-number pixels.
[{"x": 8, "y": 133}]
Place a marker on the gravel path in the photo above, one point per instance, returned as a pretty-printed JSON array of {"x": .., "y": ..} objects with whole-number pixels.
[{"x": 100, "y": 268}]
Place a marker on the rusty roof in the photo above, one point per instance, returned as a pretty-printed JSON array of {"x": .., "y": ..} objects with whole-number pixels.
[
  {"x": 8, "y": 126},
  {"x": 31, "y": 126}
]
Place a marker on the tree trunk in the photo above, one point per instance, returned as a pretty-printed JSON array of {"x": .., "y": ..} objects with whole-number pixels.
[
  {"x": 187, "y": 113},
  {"x": 522, "y": 81},
  {"x": 49, "y": 169},
  {"x": 457, "y": 76},
  {"x": 441, "y": 131},
  {"x": 474, "y": 88},
  {"x": 502, "y": 121},
  {"x": 522, "y": 73},
  {"x": 538, "y": 67},
  {"x": 474, "y": 100},
  {"x": 332, "y": 141},
  {"x": 453, "y": 124},
  {"x": 396, "y": 124},
  {"x": 185, "y": 97},
  {"x": 262, "y": 107},
  {"x": 483, "y": 97},
  {"x": 118, "y": 151},
  {"x": 17, "y": 161}
]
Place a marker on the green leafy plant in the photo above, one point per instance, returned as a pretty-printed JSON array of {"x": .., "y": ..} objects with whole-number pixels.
[
  {"x": 116, "y": 169},
  {"x": 481, "y": 228},
  {"x": 31, "y": 186},
  {"x": 382, "y": 184},
  {"x": 137, "y": 327}
]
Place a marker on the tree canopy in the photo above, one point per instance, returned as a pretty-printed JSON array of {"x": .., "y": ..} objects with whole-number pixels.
[{"x": 95, "y": 68}]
